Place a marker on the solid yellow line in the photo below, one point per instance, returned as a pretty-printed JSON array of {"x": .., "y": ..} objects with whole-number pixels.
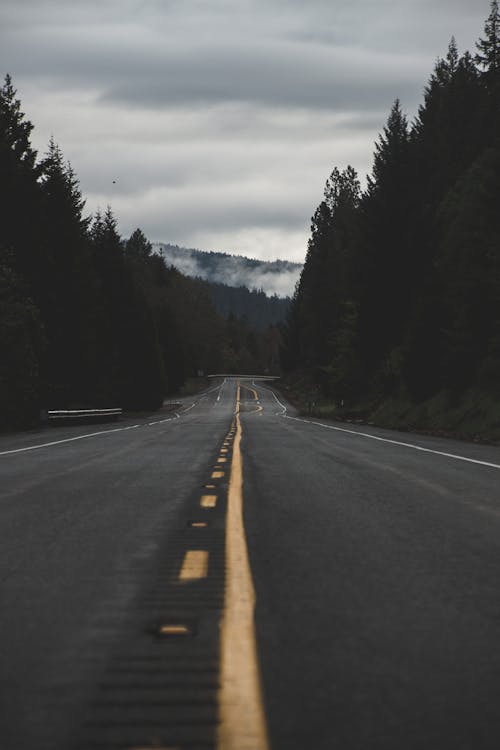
[
  {"x": 255, "y": 411},
  {"x": 194, "y": 565},
  {"x": 241, "y": 711}
]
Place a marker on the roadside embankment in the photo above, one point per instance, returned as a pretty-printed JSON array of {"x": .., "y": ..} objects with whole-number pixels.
[{"x": 473, "y": 415}]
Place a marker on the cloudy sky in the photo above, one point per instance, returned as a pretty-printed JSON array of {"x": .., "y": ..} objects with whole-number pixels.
[{"x": 215, "y": 123}]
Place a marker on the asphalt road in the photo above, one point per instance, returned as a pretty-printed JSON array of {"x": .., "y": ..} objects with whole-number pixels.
[{"x": 375, "y": 564}]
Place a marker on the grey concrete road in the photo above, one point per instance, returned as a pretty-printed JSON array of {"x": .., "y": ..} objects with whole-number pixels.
[{"x": 375, "y": 558}]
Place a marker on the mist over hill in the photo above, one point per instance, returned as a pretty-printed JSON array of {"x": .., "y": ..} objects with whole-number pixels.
[{"x": 273, "y": 277}]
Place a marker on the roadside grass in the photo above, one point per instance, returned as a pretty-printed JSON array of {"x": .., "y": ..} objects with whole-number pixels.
[{"x": 473, "y": 416}]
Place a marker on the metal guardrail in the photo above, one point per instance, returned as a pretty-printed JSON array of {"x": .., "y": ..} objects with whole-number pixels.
[
  {"x": 61, "y": 414},
  {"x": 246, "y": 377}
]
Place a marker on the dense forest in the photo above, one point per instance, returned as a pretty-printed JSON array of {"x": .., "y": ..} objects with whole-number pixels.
[
  {"x": 88, "y": 319},
  {"x": 252, "y": 305},
  {"x": 399, "y": 297}
]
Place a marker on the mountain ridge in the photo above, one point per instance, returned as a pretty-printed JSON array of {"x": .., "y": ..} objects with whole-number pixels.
[{"x": 276, "y": 277}]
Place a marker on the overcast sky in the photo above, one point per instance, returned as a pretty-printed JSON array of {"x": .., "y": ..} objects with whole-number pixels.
[{"x": 215, "y": 123}]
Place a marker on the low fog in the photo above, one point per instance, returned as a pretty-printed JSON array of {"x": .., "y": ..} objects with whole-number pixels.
[{"x": 273, "y": 277}]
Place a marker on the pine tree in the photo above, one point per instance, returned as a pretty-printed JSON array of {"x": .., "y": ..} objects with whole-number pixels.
[
  {"x": 138, "y": 246},
  {"x": 22, "y": 343},
  {"x": 386, "y": 210},
  {"x": 449, "y": 134},
  {"x": 488, "y": 49},
  {"x": 488, "y": 61},
  {"x": 20, "y": 211},
  {"x": 128, "y": 346},
  {"x": 468, "y": 262},
  {"x": 329, "y": 277},
  {"x": 67, "y": 297}
]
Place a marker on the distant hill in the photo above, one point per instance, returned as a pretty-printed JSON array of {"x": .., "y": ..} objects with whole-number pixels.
[{"x": 274, "y": 278}]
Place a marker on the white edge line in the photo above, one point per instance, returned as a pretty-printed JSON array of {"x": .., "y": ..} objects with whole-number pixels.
[
  {"x": 283, "y": 413},
  {"x": 382, "y": 439},
  {"x": 67, "y": 440},
  {"x": 87, "y": 435},
  {"x": 397, "y": 442}
]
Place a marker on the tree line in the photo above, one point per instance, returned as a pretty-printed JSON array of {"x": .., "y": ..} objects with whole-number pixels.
[
  {"x": 88, "y": 319},
  {"x": 259, "y": 309},
  {"x": 400, "y": 292}
]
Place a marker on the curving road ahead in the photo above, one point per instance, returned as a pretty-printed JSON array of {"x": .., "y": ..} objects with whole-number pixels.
[{"x": 374, "y": 556}]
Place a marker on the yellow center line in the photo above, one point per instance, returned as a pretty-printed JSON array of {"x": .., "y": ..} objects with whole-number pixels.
[
  {"x": 194, "y": 565},
  {"x": 256, "y": 411},
  {"x": 156, "y": 747},
  {"x": 217, "y": 474},
  {"x": 174, "y": 630},
  {"x": 241, "y": 711},
  {"x": 259, "y": 408}
]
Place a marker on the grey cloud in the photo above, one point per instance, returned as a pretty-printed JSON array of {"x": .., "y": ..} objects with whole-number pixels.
[
  {"x": 219, "y": 120},
  {"x": 316, "y": 56},
  {"x": 144, "y": 72}
]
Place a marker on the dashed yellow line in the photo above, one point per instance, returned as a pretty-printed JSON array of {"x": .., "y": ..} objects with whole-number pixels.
[
  {"x": 241, "y": 712},
  {"x": 208, "y": 501},
  {"x": 173, "y": 629},
  {"x": 194, "y": 565}
]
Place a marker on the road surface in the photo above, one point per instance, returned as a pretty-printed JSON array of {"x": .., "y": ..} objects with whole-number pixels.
[{"x": 127, "y": 584}]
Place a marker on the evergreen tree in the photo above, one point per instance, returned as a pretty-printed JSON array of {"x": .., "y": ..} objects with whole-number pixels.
[
  {"x": 22, "y": 344},
  {"x": 488, "y": 49},
  {"x": 20, "y": 211},
  {"x": 468, "y": 262},
  {"x": 66, "y": 300},
  {"x": 447, "y": 137},
  {"x": 488, "y": 61},
  {"x": 448, "y": 133},
  {"x": 138, "y": 247},
  {"x": 386, "y": 208},
  {"x": 329, "y": 277},
  {"x": 133, "y": 373}
]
